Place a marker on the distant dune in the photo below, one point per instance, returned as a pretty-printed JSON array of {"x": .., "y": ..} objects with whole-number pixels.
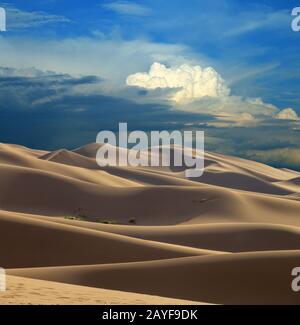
[{"x": 72, "y": 232}]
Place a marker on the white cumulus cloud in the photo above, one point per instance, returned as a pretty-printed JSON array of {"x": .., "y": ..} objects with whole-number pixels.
[
  {"x": 287, "y": 114},
  {"x": 193, "y": 82},
  {"x": 203, "y": 90}
]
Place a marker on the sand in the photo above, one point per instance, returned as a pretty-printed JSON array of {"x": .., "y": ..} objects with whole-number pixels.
[
  {"x": 74, "y": 233},
  {"x": 24, "y": 291}
]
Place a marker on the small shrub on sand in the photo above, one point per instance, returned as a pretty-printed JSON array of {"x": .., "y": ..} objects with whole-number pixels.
[{"x": 84, "y": 218}]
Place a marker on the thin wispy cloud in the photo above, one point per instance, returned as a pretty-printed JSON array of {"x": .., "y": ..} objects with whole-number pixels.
[
  {"x": 127, "y": 8},
  {"x": 253, "y": 21},
  {"x": 19, "y": 19}
]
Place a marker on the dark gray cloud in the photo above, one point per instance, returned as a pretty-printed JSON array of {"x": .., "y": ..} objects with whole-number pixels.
[
  {"x": 46, "y": 110},
  {"x": 276, "y": 145},
  {"x": 22, "y": 89}
]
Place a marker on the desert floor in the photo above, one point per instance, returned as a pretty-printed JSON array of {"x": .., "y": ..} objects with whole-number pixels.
[{"x": 74, "y": 233}]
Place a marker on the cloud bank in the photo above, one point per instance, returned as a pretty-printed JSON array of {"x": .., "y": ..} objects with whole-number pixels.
[
  {"x": 203, "y": 90},
  {"x": 44, "y": 109},
  {"x": 279, "y": 157}
]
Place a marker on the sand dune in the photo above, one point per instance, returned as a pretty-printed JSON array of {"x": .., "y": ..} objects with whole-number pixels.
[
  {"x": 244, "y": 278},
  {"x": 70, "y": 158},
  {"x": 178, "y": 204},
  {"x": 12, "y": 156},
  {"x": 63, "y": 245},
  {"x": 89, "y": 150},
  {"x": 231, "y": 236}
]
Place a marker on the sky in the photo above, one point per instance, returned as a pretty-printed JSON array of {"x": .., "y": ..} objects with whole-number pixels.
[{"x": 69, "y": 69}]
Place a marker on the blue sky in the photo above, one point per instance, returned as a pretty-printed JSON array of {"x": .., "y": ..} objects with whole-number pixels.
[{"x": 74, "y": 57}]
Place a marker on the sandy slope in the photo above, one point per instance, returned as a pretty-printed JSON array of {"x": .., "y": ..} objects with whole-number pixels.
[
  {"x": 22, "y": 291},
  {"x": 64, "y": 245},
  {"x": 243, "y": 278},
  {"x": 231, "y": 236}
]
